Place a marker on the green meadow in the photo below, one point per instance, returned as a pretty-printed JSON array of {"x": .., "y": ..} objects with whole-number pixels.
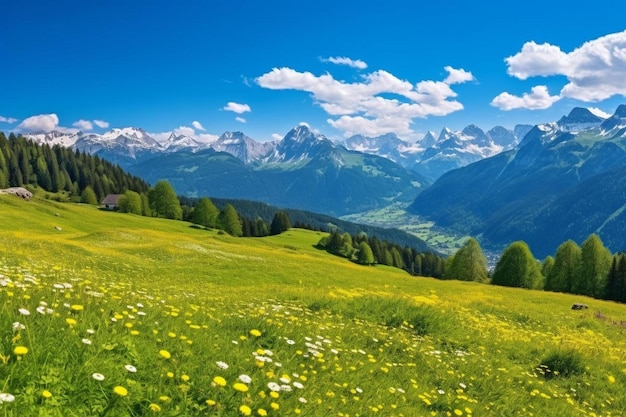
[{"x": 109, "y": 314}]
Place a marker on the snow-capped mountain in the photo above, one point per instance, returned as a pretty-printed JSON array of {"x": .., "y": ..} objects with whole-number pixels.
[
  {"x": 579, "y": 119},
  {"x": 129, "y": 141},
  {"x": 55, "y": 138},
  {"x": 388, "y": 146},
  {"x": 433, "y": 156},
  {"x": 539, "y": 191},
  {"x": 299, "y": 145},
  {"x": 242, "y": 147},
  {"x": 179, "y": 143}
]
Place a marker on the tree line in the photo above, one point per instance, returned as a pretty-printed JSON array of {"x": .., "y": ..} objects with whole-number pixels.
[
  {"x": 55, "y": 169},
  {"x": 589, "y": 269},
  {"x": 367, "y": 250}
]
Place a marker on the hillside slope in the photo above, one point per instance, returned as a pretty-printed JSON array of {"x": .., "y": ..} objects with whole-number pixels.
[
  {"x": 556, "y": 185},
  {"x": 144, "y": 314}
]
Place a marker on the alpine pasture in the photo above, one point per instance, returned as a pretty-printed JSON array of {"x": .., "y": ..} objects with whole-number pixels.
[{"x": 109, "y": 314}]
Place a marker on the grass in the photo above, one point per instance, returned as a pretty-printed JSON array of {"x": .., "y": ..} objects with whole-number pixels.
[
  {"x": 119, "y": 315},
  {"x": 396, "y": 216}
]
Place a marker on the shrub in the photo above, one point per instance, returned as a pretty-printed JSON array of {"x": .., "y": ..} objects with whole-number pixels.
[{"x": 562, "y": 363}]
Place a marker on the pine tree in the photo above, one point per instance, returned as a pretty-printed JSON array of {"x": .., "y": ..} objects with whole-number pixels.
[
  {"x": 518, "y": 268},
  {"x": 280, "y": 223},
  {"x": 468, "y": 263},
  {"x": 566, "y": 268}
]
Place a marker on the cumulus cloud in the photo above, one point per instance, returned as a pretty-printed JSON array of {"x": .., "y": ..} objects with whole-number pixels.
[
  {"x": 237, "y": 107},
  {"x": 240, "y": 119},
  {"x": 594, "y": 71},
  {"x": 197, "y": 125},
  {"x": 538, "y": 99},
  {"x": 344, "y": 60},
  {"x": 363, "y": 106},
  {"x": 276, "y": 136},
  {"x": 40, "y": 122},
  {"x": 7, "y": 119},
  {"x": 185, "y": 131},
  {"x": 599, "y": 112},
  {"x": 83, "y": 124},
  {"x": 457, "y": 76},
  {"x": 101, "y": 123}
]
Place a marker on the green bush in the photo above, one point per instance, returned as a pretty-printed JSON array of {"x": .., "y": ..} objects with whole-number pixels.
[{"x": 562, "y": 363}]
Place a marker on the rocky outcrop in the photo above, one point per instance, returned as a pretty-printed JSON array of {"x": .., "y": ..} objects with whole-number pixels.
[{"x": 18, "y": 191}]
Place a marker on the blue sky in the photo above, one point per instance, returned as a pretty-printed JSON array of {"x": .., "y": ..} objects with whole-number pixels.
[{"x": 343, "y": 67}]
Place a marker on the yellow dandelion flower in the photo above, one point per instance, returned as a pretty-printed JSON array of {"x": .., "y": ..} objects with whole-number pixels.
[
  {"x": 219, "y": 381},
  {"x": 70, "y": 321},
  {"x": 274, "y": 406},
  {"x": 261, "y": 412},
  {"x": 245, "y": 410},
  {"x": 165, "y": 354},
  {"x": 255, "y": 332},
  {"x": 274, "y": 394},
  {"x": 76, "y": 308},
  {"x": 20, "y": 350},
  {"x": 458, "y": 412},
  {"x": 164, "y": 398},
  {"x": 241, "y": 387},
  {"x": 211, "y": 402},
  {"x": 121, "y": 391},
  {"x": 170, "y": 374},
  {"x": 46, "y": 394},
  {"x": 185, "y": 377},
  {"x": 134, "y": 332},
  {"x": 171, "y": 334},
  {"x": 611, "y": 379},
  {"x": 154, "y": 407}
]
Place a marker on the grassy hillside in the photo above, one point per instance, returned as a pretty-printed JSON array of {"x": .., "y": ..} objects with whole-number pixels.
[{"x": 117, "y": 315}]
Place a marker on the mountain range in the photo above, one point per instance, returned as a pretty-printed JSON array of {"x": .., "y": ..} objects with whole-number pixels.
[
  {"x": 430, "y": 157},
  {"x": 304, "y": 170},
  {"x": 542, "y": 184},
  {"x": 564, "y": 180}
]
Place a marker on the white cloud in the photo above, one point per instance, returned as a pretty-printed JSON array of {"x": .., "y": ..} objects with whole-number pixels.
[
  {"x": 7, "y": 119},
  {"x": 457, "y": 76},
  {"x": 83, "y": 124},
  {"x": 599, "y": 112},
  {"x": 276, "y": 136},
  {"x": 344, "y": 60},
  {"x": 41, "y": 122},
  {"x": 185, "y": 130},
  {"x": 197, "y": 125},
  {"x": 360, "y": 107},
  {"x": 206, "y": 138},
  {"x": 237, "y": 107},
  {"x": 594, "y": 71},
  {"x": 538, "y": 99},
  {"x": 101, "y": 123},
  {"x": 240, "y": 119}
]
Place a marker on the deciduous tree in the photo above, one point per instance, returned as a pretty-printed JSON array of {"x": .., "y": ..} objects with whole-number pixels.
[
  {"x": 468, "y": 263},
  {"x": 518, "y": 268}
]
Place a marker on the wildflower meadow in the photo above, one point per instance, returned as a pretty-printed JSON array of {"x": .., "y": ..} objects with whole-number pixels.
[{"x": 108, "y": 314}]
